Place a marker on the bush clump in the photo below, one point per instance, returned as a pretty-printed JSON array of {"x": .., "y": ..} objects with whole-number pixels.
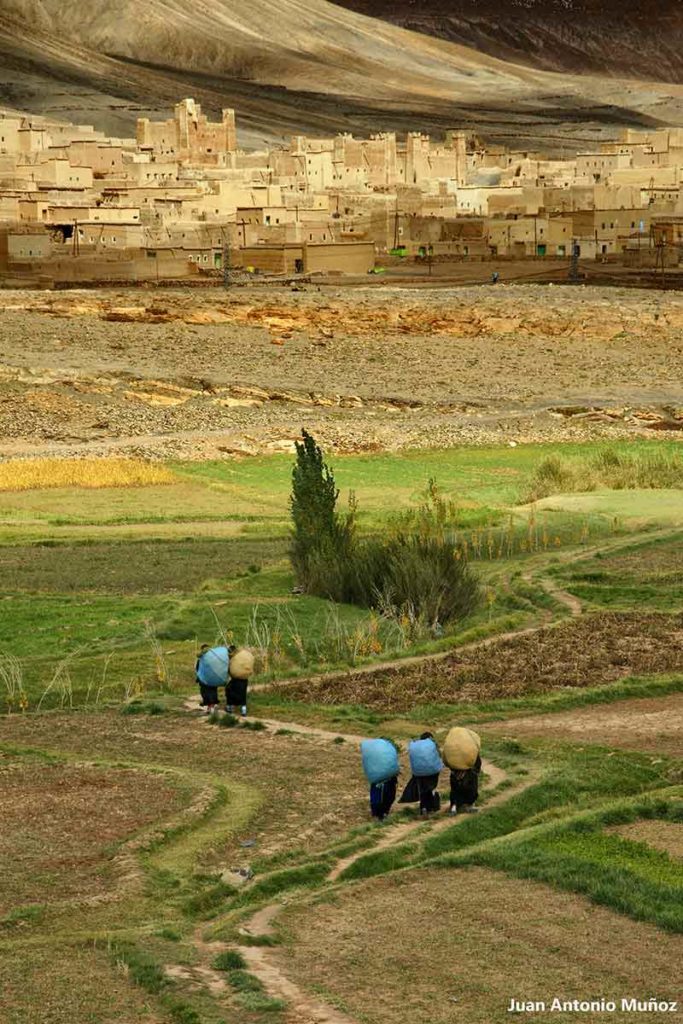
[
  {"x": 608, "y": 468},
  {"x": 416, "y": 570},
  {"x": 230, "y": 960}
]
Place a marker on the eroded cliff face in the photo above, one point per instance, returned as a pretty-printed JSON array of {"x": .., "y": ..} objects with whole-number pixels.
[{"x": 624, "y": 38}]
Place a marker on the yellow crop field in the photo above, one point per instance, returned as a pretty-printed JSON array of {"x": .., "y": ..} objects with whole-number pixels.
[{"x": 36, "y": 474}]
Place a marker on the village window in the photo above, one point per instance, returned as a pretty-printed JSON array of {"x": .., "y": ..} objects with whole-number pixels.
[{"x": 603, "y": 225}]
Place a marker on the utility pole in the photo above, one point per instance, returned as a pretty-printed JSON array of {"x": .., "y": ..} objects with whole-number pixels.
[
  {"x": 574, "y": 263},
  {"x": 659, "y": 259},
  {"x": 226, "y": 263}
]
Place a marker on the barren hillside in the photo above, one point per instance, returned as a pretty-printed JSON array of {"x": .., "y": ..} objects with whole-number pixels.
[
  {"x": 628, "y": 38},
  {"x": 291, "y": 65}
]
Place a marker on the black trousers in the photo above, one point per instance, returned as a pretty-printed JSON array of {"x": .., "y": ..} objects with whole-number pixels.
[
  {"x": 382, "y": 796},
  {"x": 236, "y": 692},
  {"x": 465, "y": 786},
  {"x": 422, "y": 788},
  {"x": 209, "y": 694},
  {"x": 430, "y": 800}
]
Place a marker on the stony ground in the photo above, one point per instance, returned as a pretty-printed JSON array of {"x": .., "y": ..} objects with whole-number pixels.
[{"x": 201, "y": 373}]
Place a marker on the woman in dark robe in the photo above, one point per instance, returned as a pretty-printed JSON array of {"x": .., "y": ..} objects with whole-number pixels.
[
  {"x": 208, "y": 694},
  {"x": 423, "y": 788},
  {"x": 236, "y": 694},
  {"x": 465, "y": 789},
  {"x": 382, "y": 796}
]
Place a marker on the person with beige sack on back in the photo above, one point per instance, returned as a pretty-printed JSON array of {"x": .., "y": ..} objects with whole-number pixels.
[
  {"x": 240, "y": 668},
  {"x": 461, "y": 754}
]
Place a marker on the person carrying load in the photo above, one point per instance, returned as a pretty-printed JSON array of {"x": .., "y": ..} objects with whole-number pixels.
[
  {"x": 211, "y": 671},
  {"x": 461, "y": 754},
  {"x": 240, "y": 668},
  {"x": 426, "y": 765},
  {"x": 381, "y": 767}
]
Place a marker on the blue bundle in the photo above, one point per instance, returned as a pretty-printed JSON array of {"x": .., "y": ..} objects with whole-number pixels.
[
  {"x": 380, "y": 760},
  {"x": 424, "y": 758},
  {"x": 212, "y": 669}
]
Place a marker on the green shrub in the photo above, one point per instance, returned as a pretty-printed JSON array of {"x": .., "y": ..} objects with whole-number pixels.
[
  {"x": 181, "y": 1012},
  {"x": 257, "y": 1003},
  {"x": 417, "y": 570},
  {"x": 227, "y": 721},
  {"x": 424, "y": 577},
  {"x": 143, "y": 970},
  {"x": 243, "y": 981},
  {"x": 230, "y": 960},
  {"x": 609, "y": 468},
  {"x": 255, "y": 724}
]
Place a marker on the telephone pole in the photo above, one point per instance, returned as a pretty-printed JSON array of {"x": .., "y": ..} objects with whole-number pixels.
[{"x": 574, "y": 263}]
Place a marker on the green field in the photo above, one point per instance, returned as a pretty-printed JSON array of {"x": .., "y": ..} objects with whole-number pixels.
[{"x": 107, "y": 592}]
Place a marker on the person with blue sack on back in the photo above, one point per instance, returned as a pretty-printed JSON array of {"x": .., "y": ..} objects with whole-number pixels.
[
  {"x": 426, "y": 766},
  {"x": 211, "y": 671},
  {"x": 381, "y": 767}
]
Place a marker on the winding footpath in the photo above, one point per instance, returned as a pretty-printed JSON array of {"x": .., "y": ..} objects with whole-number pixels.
[{"x": 262, "y": 961}]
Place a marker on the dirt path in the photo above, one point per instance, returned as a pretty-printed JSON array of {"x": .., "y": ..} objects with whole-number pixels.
[
  {"x": 400, "y": 832},
  {"x": 554, "y": 590},
  {"x": 303, "y": 1008}
]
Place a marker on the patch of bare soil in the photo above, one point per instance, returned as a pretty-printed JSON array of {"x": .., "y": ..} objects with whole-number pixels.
[
  {"x": 654, "y": 724},
  {"x": 586, "y": 651},
  {"x": 662, "y": 835},
  {"x": 311, "y": 789},
  {"x": 449, "y": 947},
  {"x": 198, "y": 373},
  {"x": 60, "y": 826}
]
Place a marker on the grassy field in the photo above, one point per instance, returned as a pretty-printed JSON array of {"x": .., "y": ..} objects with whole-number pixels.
[
  {"x": 111, "y": 589},
  {"x": 165, "y": 804},
  {"x": 127, "y": 818}
]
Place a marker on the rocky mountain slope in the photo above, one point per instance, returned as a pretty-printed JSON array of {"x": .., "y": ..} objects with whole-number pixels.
[
  {"x": 291, "y": 65},
  {"x": 628, "y": 38}
]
